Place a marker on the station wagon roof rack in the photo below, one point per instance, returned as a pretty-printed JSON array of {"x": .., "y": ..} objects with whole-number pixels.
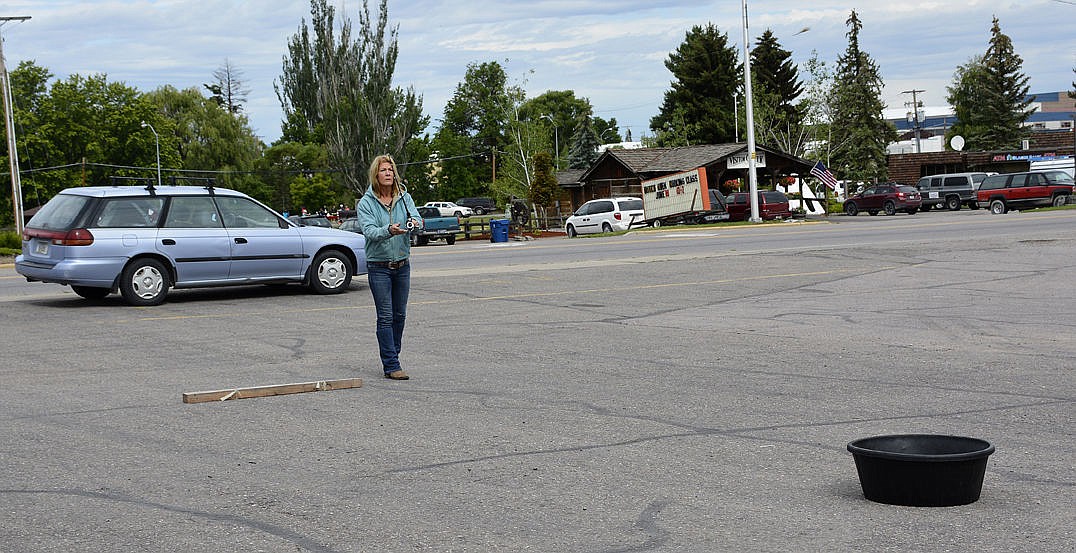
[{"x": 118, "y": 180}]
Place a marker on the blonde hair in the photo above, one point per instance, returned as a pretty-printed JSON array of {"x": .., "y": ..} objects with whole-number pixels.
[{"x": 376, "y": 166}]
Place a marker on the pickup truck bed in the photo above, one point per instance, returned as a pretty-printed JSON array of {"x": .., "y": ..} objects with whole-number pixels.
[{"x": 435, "y": 227}]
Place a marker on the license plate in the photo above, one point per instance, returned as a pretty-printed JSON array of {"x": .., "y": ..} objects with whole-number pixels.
[
  {"x": 41, "y": 248},
  {"x": 933, "y": 195},
  {"x": 442, "y": 231}
]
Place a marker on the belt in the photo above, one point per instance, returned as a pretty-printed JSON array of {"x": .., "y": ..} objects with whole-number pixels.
[{"x": 389, "y": 264}]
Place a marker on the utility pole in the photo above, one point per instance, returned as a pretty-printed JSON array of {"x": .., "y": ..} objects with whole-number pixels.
[
  {"x": 752, "y": 171},
  {"x": 915, "y": 115},
  {"x": 9, "y": 127}
]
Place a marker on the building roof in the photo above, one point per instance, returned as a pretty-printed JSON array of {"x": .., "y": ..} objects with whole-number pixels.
[{"x": 570, "y": 177}]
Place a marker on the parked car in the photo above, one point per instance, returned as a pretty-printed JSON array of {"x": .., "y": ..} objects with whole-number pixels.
[
  {"x": 311, "y": 221},
  {"x": 449, "y": 209},
  {"x": 605, "y": 215},
  {"x": 481, "y": 206},
  {"x": 772, "y": 204},
  {"x": 890, "y": 198},
  {"x": 351, "y": 225},
  {"x": 434, "y": 227},
  {"x": 950, "y": 190},
  {"x": 143, "y": 241},
  {"x": 1031, "y": 189}
]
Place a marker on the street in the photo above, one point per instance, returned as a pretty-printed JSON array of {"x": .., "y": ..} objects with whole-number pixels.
[{"x": 680, "y": 389}]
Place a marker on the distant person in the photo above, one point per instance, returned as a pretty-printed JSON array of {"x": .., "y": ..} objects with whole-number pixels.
[{"x": 384, "y": 212}]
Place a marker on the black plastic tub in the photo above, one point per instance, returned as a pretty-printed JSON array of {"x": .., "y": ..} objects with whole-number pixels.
[{"x": 921, "y": 470}]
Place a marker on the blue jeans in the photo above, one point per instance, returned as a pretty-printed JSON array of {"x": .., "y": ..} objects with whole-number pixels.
[{"x": 390, "y": 288}]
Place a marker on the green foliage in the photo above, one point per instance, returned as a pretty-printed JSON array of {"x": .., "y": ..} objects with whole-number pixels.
[
  {"x": 584, "y": 151},
  {"x": 339, "y": 87},
  {"x": 544, "y": 189},
  {"x": 474, "y": 130},
  {"x": 696, "y": 109},
  {"x": 10, "y": 240},
  {"x": 988, "y": 96},
  {"x": 859, "y": 132},
  {"x": 313, "y": 192}
]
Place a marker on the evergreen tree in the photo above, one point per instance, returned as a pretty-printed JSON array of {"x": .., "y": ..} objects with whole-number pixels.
[
  {"x": 696, "y": 109},
  {"x": 584, "y": 149},
  {"x": 1005, "y": 101},
  {"x": 775, "y": 74},
  {"x": 544, "y": 189},
  {"x": 860, "y": 132},
  {"x": 228, "y": 91}
]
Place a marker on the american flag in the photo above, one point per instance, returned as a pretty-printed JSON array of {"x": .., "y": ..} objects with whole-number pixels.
[{"x": 819, "y": 170}]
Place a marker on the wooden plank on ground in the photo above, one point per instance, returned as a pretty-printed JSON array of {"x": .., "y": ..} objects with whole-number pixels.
[{"x": 272, "y": 390}]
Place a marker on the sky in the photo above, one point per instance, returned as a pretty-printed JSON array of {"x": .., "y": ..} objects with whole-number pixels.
[{"x": 611, "y": 53}]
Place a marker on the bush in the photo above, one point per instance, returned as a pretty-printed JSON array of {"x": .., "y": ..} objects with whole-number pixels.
[{"x": 10, "y": 240}]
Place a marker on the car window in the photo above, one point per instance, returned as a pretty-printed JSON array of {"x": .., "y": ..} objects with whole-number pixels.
[
  {"x": 955, "y": 181},
  {"x": 978, "y": 178},
  {"x": 603, "y": 206},
  {"x": 60, "y": 213},
  {"x": 631, "y": 205},
  {"x": 1018, "y": 181},
  {"x": 994, "y": 182},
  {"x": 1035, "y": 179},
  {"x": 907, "y": 189},
  {"x": 1058, "y": 177},
  {"x": 192, "y": 212},
  {"x": 870, "y": 191},
  {"x": 774, "y": 197},
  {"x": 244, "y": 213},
  {"x": 130, "y": 212}
]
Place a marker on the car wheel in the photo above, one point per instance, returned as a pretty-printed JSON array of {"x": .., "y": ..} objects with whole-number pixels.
[
  {"x": 144, "y": 282},
  {"x": 479, "y": 211},
  {"x": 1060, "y": 200},
  {"x": 91, "y": 292},
  {"x": 997, "y": 207},
  {"x": 330, "y": 273},
  {"x": 953, "y": 203},
  {"x": 606, "y": 227},
  {"x": 458, "y": 214},
  {"x": 850, "y": 208},
  {"x": 571, "y": 232},
  {"x": 655, "y": 223},
  {"x": 450, "y": 239},
  {"x": 890, "y": 207}
]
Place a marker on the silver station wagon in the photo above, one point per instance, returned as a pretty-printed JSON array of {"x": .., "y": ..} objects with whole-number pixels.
[{"x": 142, "y": 241}]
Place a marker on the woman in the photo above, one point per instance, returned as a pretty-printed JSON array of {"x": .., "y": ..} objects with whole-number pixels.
[{"x": 384, "y": 212}]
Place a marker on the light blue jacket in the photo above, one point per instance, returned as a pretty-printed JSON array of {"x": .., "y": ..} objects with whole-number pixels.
[{"x": 375, "y": 220}]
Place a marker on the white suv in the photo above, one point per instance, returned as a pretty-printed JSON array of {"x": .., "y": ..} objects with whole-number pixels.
[
  {"x": 605, "y": 215},
  {"x": 449, "y": 209}
]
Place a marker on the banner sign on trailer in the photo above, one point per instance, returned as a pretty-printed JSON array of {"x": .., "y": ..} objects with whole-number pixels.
[{"x": 675, "y": 194}]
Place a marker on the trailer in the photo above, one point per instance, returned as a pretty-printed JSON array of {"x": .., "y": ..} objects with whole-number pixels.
[{"x": 682, "y": 198}]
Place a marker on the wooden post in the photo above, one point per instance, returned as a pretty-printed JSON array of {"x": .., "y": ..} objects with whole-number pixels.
[{"x": 273, "y": 390}]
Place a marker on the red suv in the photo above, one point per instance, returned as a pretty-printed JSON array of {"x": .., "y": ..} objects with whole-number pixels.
[
  {"x": 771, "y": 205},
  {"x": 1016, "y": 190},
  {"x": 890, "y": 197}
]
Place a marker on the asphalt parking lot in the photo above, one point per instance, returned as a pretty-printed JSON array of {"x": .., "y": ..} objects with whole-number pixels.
[{"x": 684, "y": 394}]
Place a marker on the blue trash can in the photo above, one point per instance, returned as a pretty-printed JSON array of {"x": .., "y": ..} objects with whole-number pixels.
[{"x": 498, "y": 230}]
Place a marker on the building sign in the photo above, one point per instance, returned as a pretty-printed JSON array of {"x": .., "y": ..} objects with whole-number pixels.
[
  {"x": 740, "y": 161},
  {"x": 1029, "y": 157},
  {"x": 675, "y": 194}
]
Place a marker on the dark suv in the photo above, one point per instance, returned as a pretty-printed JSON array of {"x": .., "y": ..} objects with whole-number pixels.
[
  {"x": 481, "y": 206},
  {"x": 772, "y": 204},
  {"x": 1015, "y": 190},
  {"x": 889, "y": 197}
]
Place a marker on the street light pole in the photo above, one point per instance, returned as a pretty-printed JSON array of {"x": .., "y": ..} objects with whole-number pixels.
[
  {"x": 750, "y": 114},
  {"x": 9, "y": 127},
  {"x": 156, "y": 139},
  {"x": 556, "y": 140}
]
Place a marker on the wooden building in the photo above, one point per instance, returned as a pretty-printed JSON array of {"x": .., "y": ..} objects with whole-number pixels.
[{"x": 620, "y": 172}]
